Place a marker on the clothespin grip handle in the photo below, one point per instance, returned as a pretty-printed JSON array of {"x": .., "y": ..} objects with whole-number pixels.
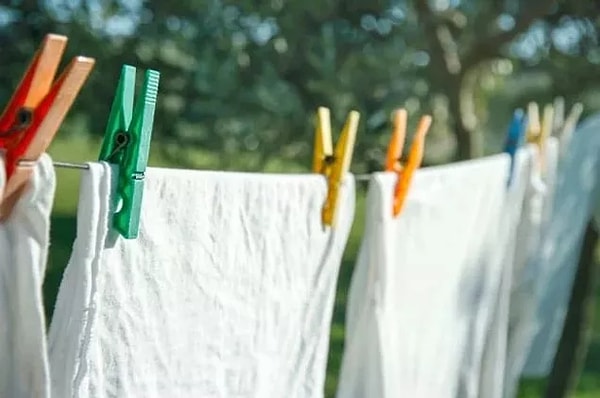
[
  {"x": 35, "y": 112},
  {"x": 127, "y": 144},
  {"x": 415, "y": 158},
  {"x": 338, "y": 170},
  {"x": 396, "y": 145},
  {"x": 514, "y": 138},
  {"x": 333, "y": 165}
]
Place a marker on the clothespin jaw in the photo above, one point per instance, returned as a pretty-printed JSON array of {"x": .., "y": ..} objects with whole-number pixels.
[
  {"x": 569, "y": 127},
  {"x": 34, "y": 85},
  {"x": 515, "y": 138},
  {"x": 334, "y": 165},
  {"x": 559, "y": 116},
  {"x": 35, "y": 112},
  {"x": 396, "y": 144},
  {"x": 545, "y": 132},
  {"x": 127, "y": 144},
  {"x": 415, "y": 158},
  {"x": 534, "y": 128},
  {"x": 323, "y": 150},
  {"x": 547, "y": 122}
]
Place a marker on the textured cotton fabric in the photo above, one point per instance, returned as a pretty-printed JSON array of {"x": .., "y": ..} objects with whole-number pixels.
[
  {"x": 578, "y": 177},
  {"x": 24, "y": 240},
  {"x": 227, "y": 292},
  {"x": 425, "y": 284}
]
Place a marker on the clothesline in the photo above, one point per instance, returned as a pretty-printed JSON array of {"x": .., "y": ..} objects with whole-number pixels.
[{"x": 81, "y": 166}]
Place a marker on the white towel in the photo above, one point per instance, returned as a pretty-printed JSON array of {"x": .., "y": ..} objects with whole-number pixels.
[
  {"x": 227, "y": 292},
  {"x": 425, "y": 284},
  {"x": 526, "y": 277},
  {"x": 24, "y": 240},
  {"x": 578, "y": 176}
]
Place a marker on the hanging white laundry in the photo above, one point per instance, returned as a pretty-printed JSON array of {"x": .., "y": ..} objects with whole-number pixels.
[
  {"x": 577, "y": 180},
  {"x": 227, "y": 292},
  {"x": 513, "y": 235},
  {"x": 425, "y": 284},
  {"x": 24, "y": 240},
  {"x": 511, "y": 332},
  {"x": 534, "y": 218}
]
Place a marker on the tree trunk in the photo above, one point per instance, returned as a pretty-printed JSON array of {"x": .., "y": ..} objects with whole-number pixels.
[
  {"x": 461, "y": 92},
  {"x": 574, "y": 341}
]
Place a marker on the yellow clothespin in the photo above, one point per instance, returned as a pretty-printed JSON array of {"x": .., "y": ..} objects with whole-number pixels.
[
  {"x": 538, "y": 133},
  {"x": 533, "y": 123},
  {"x": 393, "y": 160},
  {"x": 545, "y": 132},
  {"x": 333, "y": 164}
]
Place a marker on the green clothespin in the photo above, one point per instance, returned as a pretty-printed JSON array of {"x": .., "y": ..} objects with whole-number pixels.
[{"x": 127, "y": 143}]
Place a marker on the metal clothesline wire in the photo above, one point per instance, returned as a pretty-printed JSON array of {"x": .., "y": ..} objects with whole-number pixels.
[{"x": 84, "y": 166}]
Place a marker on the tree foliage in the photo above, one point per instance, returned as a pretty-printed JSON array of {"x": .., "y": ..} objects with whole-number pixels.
[{"x": 247, "y": 76}]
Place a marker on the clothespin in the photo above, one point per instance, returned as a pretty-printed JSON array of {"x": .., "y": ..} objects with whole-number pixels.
[
  {"x": 569, "y": 127},
  {"x": 559, "y": 116},
  {"x": 396, "y": 145},
  {"x": 534, "y": 128},
  {"x": 415, "y": 157},
  {"x": 546, "y": 131},
  {"x": 538, "y": 133},
  {"x": 36, "y": 110},
  {"x": 334, "y": 165},
  {"x": 514, "y": 138},
  {"x": 127, "y": 144}
]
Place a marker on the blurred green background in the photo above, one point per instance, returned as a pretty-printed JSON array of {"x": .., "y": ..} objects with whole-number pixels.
[{"x": 241, "y": 81}]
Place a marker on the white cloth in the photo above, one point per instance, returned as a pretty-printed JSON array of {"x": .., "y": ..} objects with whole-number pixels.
[
  {"x": 577, "y": 180},
  {"x": 533, "y": 220},
  {"x": 24, "y": 240},
  {"x": 513, "y": 235},
  {"x": 227, "y": 292},
  {"x": 425, "y": 284}
]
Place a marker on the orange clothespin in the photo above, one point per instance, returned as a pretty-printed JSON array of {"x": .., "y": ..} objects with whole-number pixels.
[
  {"x": 34, "y": 113},
  {"x": 396, "y": 145},
  {"x": 334, "y": 165},
  {"x": 415, "y": 157}
]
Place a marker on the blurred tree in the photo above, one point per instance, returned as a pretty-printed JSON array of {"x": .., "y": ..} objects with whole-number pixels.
[{"x": 247, "y": 76}]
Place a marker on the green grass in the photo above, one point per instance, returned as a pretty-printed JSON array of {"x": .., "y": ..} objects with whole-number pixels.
[{"x": 63, "y": 235}]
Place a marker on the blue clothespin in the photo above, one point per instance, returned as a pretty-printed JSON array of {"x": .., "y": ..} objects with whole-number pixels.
[
  {"x": 127, "y": 144},
  {"x": 515, "y": 138}
]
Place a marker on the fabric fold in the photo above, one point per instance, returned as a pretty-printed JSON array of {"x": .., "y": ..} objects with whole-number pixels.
[
  {"x": 24, "y": 240},
  {"x": 227, "y": 292}
]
